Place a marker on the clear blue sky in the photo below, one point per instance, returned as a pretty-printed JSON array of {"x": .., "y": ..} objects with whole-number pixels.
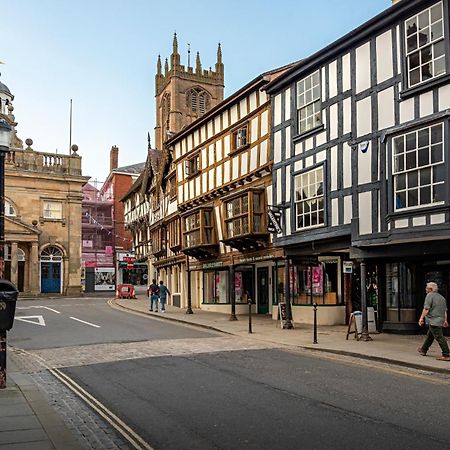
[{"x": 102, "y": 54}]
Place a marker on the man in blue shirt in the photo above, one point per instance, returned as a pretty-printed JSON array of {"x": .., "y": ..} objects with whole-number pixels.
[{"x": 435, "y": 311}]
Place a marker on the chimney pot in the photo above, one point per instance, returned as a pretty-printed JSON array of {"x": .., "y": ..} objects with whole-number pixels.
[{"x": 113, "y": 158}]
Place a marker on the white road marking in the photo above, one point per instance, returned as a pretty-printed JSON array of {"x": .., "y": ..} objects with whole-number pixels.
[
  {"x": 29, "y": 319},
  {"x": 38, "y": 306},
  {"x": 87, "y": 323}
]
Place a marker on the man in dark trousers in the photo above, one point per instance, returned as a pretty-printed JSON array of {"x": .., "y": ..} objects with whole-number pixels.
[
  {"x": 435, "y": 311},
  {"x": 153, "y": 293},
  {"x": 163, "y": 293}
]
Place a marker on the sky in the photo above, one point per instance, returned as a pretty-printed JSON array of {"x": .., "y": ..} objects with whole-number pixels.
[{"x": 102, "y": 54}]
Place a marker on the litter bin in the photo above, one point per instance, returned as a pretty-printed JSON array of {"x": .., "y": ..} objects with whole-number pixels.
[{"x": 8, "y": 298}]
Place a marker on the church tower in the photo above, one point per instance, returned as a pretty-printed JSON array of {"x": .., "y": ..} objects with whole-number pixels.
[{"x": 184, "y": 93}]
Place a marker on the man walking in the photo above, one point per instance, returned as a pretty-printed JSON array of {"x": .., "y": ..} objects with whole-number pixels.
[
  {"x": 435, "y": 310},
  {"x": 153, "y": 292},
  {"x": 163, "y": 293}
]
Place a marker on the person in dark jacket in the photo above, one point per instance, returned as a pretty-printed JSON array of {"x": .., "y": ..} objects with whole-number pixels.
[
  {"x": 163, "y": 293},
  {"x": 153, "y": 293}
]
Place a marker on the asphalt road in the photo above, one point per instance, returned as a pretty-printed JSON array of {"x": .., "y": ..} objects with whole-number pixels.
[
  {"x": 68, "y": 322},
  {"x": 253, "y": 399}
]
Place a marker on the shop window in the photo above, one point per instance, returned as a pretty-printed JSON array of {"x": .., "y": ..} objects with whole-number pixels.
[
  {"x": 418, "y": 168},
  {"x": 400, "y": 297},
  {"x": 278, "y": 276},
  {"x": 425, "y": 45},
  {"x": 215, "y": 287},
  {"x": 309, "y": 107},
  {"x": 243, "y": 285}
]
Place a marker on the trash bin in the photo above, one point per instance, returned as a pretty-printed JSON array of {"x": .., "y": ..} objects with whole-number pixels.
[{"x": 8, "y": 298}]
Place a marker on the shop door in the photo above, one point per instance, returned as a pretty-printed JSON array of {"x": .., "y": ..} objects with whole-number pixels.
[
  {"x": 50, "y": 277},
  {"x": 263, "y": 290}
]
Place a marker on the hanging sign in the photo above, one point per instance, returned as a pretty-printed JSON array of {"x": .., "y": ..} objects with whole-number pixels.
[{"x": 274, "y": 220}]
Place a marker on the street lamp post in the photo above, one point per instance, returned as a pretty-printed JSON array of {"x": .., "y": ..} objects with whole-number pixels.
[
  {"x": 189, "y": 298},
  {"x": 5, "y": 143}
]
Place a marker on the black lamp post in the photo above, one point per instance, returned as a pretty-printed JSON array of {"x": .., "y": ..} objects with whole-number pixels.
[
  {"x": 5, "y": 143},
  {"x": 189, "y": 298}
]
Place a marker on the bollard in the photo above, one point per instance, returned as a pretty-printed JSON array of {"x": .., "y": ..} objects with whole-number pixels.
[
  {"x": 250, "y": 315},
  {"x": 2, "y": 359},
  {"x": 315, "y": 323}
]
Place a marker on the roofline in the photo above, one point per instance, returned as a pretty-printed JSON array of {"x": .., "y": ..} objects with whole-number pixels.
[
  {"x": 380, "y": 21},
  {"x": 260, "y": 80},
  {"x": 133, "y": 188}
]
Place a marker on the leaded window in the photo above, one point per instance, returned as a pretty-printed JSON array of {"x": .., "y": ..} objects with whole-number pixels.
[
  {"x": 418, "y": 167},
  {"x": 425, "y": 45},
  {"x": 199, "y": 229},
  {"x": 309, "y": 107},
  {"x": 309, "y": 199},
  {"x": 240, "y": 137}
]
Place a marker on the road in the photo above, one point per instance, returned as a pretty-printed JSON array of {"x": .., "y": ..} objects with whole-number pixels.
[{"x": 184, "y": 388}]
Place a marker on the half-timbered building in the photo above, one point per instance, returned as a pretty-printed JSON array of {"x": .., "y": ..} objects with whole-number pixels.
[
  {"x": 360, "y": 139},
  {"x": 223, "y": 171}
]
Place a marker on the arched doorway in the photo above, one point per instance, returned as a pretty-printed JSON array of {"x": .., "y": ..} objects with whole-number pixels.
[{"x": 51, "y": 265}]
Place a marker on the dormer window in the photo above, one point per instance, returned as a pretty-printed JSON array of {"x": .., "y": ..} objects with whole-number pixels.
[
  {"x": 192, "y": 165},
  {"x": 425, "y": 45},
  {"x": 309, "y": 105}
]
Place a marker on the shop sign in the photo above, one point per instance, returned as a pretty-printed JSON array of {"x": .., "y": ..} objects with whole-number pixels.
[
  {"x": 274, "y": 222},
  {"x": 347, "y": 267},
  {"x": 213, "y": 265},
  {"x": 250, "y": 259}
]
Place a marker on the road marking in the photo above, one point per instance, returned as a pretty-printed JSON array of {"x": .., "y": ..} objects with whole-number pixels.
[
  {"x": 87, "y": 323},
  {"x": 38, "y": 306},
  {"x": 31, "y": 319},
  {"x": 128, "y": 433}
]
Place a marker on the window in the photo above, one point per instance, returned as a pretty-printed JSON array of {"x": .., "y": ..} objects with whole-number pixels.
[
  {"x": 418, "y": 168},
  {"x": 174, "y": 234},
  {"x": 192, "y": 165},
  {"x": 425, "y": 46},
  {"x": 198, "y": 101},
  {"x": 309, "y": 199},
  {"x": 199, "y": 229},
  {"x": 52, "y": 210},
  {"x": 244, "y": 215},
  {"x": 240, "y": 138},
  {"x": 215, "y": 287},
  {"x": 158, "y": 241},
  {"x": 309, "y": 113},
  {"x": 9, "y": 209}
]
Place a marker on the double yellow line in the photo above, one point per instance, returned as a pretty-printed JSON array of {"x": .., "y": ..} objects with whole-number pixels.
[{"x": 123, "y": 429}]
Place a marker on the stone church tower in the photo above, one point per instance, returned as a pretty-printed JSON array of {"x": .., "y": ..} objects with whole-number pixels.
[{"x": 183, "y": 93}]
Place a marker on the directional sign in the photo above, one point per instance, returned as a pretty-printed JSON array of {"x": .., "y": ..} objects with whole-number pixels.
[
  {"x": 274, "y": 222},
  {"x": 36, "y": 320}
]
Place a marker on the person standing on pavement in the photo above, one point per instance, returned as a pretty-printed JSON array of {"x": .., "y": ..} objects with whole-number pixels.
[
  {"x": 435, "y": 311},
  {"x": 153, "y": 292},
  {"x": 163, "y": 293}
]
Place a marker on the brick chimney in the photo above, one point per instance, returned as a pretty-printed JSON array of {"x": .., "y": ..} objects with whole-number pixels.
[{"x": 113, "y": 158}]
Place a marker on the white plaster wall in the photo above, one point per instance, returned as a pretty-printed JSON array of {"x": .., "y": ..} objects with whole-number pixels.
[
  {"x": 244, "y": 163},
  {"x": 235, "y": 168},
  {"x": 332, "y": 80},
  {"x": 203, "y": 133},
  {"x": 264, "y": 123},
  {"x": 364, "y": 117},
  {"x": 385, "y": 68},
  {"x": 347, "y": 209},
  {"x": 210, "y": 128},
  {"x": 217, "y": 127},
  {"x": 287, "y": 104},
  {"x": 196, "y": 135},
  {"x": 254, "y": 130},
  {"x": 323, "y": 83},
  {"x": 263, "y": 157},
  {"x": 298, "y": 149},
  {"x": 277, "y": 147},
  {"x": 226, "y": 172},
  {"x": 364, "y": 166},
  {"x": 219, "y": 174},
  {"x": 406, "y": 110},
  {"x": 333, "y": 121},
  {"x": 365, "y": 212},
  {"x": 386, "y": 116},
  {"x": 399, "y": 56},
  {"x": 346, "y": 77},
  {"x": 363, "y": 67},
  {"x": 277, "y": 110},
  {"x": 334, "y": 212},
  {"x": 226, "y": 146},
  {"x": 253, "y": 158},
  {"x": 177, "y": 150},
  {"x": 437, "y": 218},
  {"x": 288, "y": 142},
  {"x": 288, "y": 184},
  {"x": 321, "y": 156},
  {"x": 321, "y": 138},
  {"x": 346, "y": 166},
  {"x": 419, "y": 221},
  {"x": 262, "y": 97},
  {"x": 204, "y": 182},
  {"x": 243, "y": 108},
  {"x": 444, "y": 97},
  {"x": 233, "y": 114},
  {"x": 426, "y": 104},
  {"x": 211, "y": 179},
  {"x": 279, "y": 187},
  {"x": 347, "y": 113},
  {"x": 211, "y": 156},
  {"x": 204, "y": 158},
  {"x": 253, "y": 104},
  {"x": 288, "y": 221},
  {"x": 333, "y": 168},
  {"x": 225, "y": 122},
  {"x": 219, "y": 153}
]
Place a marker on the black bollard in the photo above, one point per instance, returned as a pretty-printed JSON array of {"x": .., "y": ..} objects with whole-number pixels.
[
  {"x": 2, "y": 359},
  {"x": 250, "y": 315},
  {"x": 315, "y": 323}
]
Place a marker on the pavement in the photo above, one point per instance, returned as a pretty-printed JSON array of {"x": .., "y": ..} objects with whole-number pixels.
[{"x": 29, "y": 422}]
